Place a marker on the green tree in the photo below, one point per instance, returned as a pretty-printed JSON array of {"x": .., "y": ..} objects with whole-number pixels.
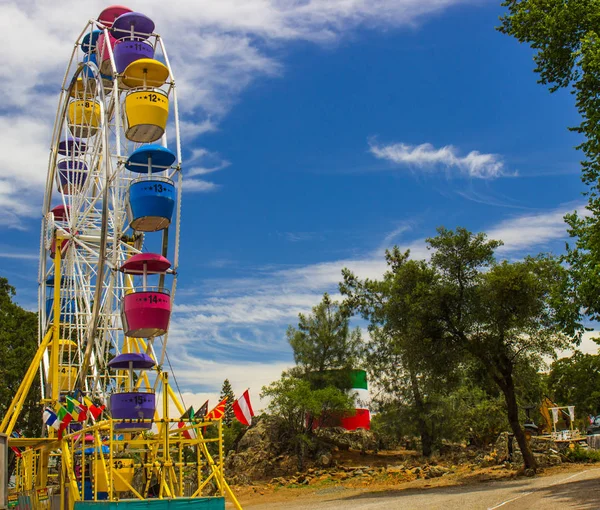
[
  {"x": 18, "y": 345},
  {"x": 300, "y": 409},
  {"x": 232, "y": 435},
  {"x": 324, "y": 345},
  {"x": 501, "y": 313},
  {"x": 576, "y": 381},
  {"x": 566, "y": 41},
  {"x": 475, "y": 415},
  {"x": 227, "y": 391},
  {"x": 404, "y": 355}
]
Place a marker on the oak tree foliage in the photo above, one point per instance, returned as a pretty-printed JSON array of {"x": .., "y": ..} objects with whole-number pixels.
[{"x": 18, "y": 345}]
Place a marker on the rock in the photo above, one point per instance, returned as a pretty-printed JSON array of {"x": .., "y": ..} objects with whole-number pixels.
[
  {"x": 436, "y": 472},
  {"x": 554, "y": 460},
  {"x": 395, "y": 469},
  {"x": 542, "y": 445},
  {"x": 501, "y": 447},
  {"x": 547, "y": 459},
  {"x": 343, "y": 439},
  {"x": 325, "y": 459}
]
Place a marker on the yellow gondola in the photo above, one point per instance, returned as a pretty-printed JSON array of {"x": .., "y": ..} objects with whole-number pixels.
[
  {"x": 146, "y": 108},
  {"x": 84, "y": 117}
]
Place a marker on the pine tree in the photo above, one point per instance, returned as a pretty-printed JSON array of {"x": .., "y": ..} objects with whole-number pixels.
[{"x": 227, "y": 391}]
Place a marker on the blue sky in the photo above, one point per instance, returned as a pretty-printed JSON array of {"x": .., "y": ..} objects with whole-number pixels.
[{"x": 317, "y": 134}]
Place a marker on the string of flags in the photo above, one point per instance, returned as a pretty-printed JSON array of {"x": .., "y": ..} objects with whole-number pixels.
[
  {"x": 242, "y": 409},
  {"x": 73, "y": 410}
]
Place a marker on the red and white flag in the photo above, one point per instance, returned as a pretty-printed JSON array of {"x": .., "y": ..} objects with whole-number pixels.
[{"x": 243, "y": 409}]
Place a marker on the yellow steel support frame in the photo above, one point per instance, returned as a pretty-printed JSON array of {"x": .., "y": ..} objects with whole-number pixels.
[
  {"x": 32, "y": 467},
  {"x": 104, "y": 470},
  {"x": 158, "y": 460},
  {"x": 220, "y": 480},
  {"x": 54, "y": 362}
]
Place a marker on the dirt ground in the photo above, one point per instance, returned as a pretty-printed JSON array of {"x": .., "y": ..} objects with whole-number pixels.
[{"x": 323, "y": 487}]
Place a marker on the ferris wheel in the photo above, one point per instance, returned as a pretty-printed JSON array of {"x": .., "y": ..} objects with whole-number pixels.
[
  {"x": 111, "y": 222},
  {"x": 107, "y": 278}
]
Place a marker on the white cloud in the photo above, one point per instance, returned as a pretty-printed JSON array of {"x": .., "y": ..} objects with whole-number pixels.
[
  {"x": 191, "y": 129},
  {"x": 198, "y": 185},
  {"x": 24, "y": 145},
  {"x": 210, "y": 375},
  {"x": 532, "y": 230},
  {"x": 200, "y": 170},
  {"x": 428, "y": 158},
  {"x": 20, "y": 256},
  {"x": 275, "y": 296}
]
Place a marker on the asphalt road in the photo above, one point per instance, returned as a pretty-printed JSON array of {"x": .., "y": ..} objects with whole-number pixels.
[{"x": 577, "y": 490}]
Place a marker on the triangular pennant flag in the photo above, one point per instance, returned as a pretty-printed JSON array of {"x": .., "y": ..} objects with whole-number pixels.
[
  {"x": 95, "y": 411},
  {"x": 218, "y": 412},
  {"x": 64, "y": 417},
  {"x": 243, "y": 409},
  {"x": 187, "y": 416},
  {"x": 50, "y": 419},
  {"x": 77, "y": 409},
  {"x": 202, "y": 412}
]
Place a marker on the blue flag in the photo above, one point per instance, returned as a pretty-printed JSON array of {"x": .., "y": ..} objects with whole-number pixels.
[{"x": 50, "y": 418}]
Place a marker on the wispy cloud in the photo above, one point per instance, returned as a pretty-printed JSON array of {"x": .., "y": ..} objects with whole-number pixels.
[
  {"x": 426, "y": 157},
  {"x": 191, "y": 129},
  {"x": 208, "y": 162},
  {"x": 200, "y": 170},
  {"x": 532, "y": 230},
  {"x": 297, "y": 237},
  {"x": 199, "y": 186},
  {"x": 208, "y": 381},
  {"x": 20, "y": 256},
  {"x": 490, "y": 199},
  {"x": 393, "y": 236}
]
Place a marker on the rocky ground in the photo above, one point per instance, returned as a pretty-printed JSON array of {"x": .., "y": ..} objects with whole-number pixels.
[{"x": 347, "y": 458}]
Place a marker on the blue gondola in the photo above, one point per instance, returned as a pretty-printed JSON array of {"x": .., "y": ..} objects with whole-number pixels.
[
  {"x": 151, "y": 199},
  {"x": 87, "y": 71},
  {"x": 67, "y": 307},
  {"x": 88, "y": 43}
]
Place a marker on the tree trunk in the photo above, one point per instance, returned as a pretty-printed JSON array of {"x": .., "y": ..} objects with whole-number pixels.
[
  {"x": 426, "y": 436},
  {"x": 508, "y": 388}
]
